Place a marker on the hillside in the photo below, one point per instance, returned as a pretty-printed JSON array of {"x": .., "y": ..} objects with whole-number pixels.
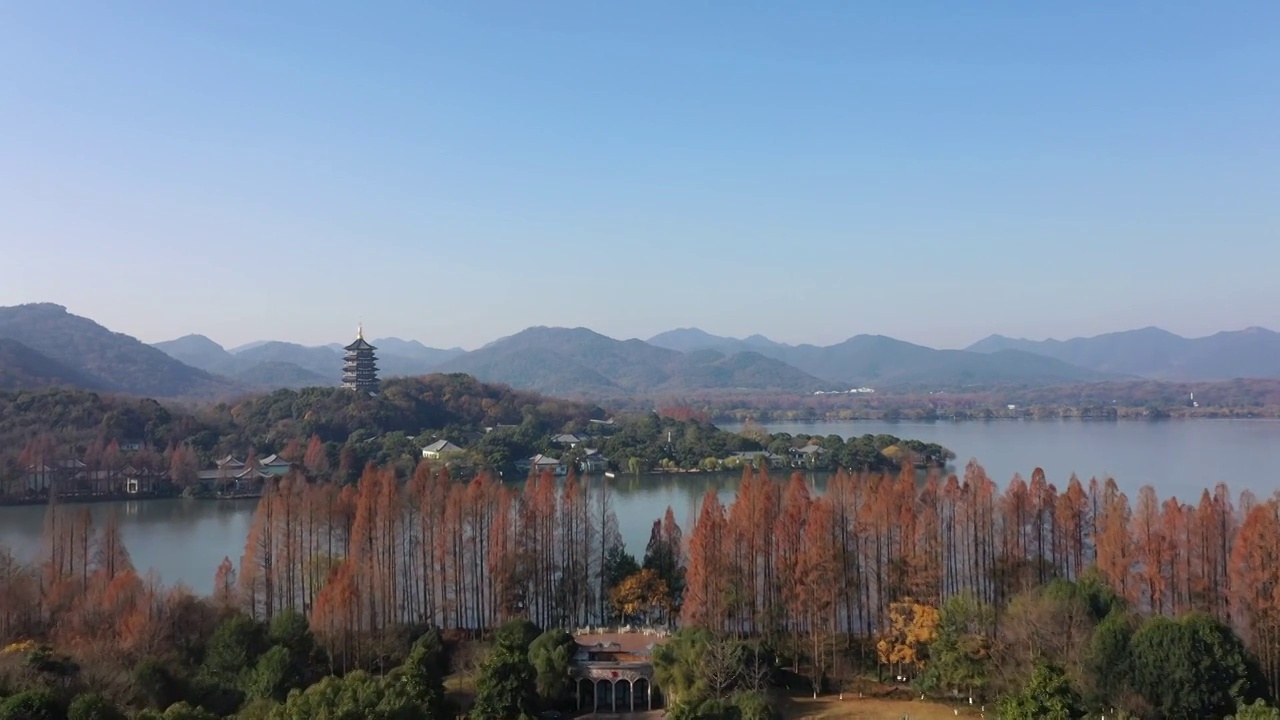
[
  {"x": 578, "y": 361},
  {"x": 1158, "y": 354},
  {"x": 318, "y": 360},
  {"x": 22, "y": 367},
  {"x": 404, "y": 408},
  {"x": 272, "y": 364},
  {"x": 107, "y": 360},
  {"x": 200, "y": 352},
  {"x": 270, "y": 374},
  {"x": 883, "y": 362},
  {"x": 411, "y": 351}
]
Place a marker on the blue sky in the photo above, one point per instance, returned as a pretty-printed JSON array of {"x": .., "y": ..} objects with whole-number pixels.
[{"x": 456, "y": 172}]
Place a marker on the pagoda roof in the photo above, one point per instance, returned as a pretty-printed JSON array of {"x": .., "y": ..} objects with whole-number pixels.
[{"x": 360, "y": 343}]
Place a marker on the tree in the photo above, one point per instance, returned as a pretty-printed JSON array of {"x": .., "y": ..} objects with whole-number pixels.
[
  {"x": 664, "y": 555},
  {"x": 1259, "y": 710},
  {"x": 1109, "y": 660},
  {"x": 1194, "y": 667},
  {"x": 960, "y": 651},
  {"x": 550, "y": 654},
  {"x": 912, "y": 627},
  {"x": 505, "y": 689},
  {"x": 422, "y": 675},
  {"x": 1046, "y": 696},
  {"x": 91, "y": 706},
  {"x": 641, "y": 595},
  {"x": 31, "y": 705},
  {"x": 354, "y": 696},
  {"x": 677, "y": 665},
  {"x": 232, "y": 652}
]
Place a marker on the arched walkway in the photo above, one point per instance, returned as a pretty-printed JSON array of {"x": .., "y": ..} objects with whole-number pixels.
[
  {"x": 604, "y": 695},
  {"x": 586, "y": 693},
  {"x": 641, "y": 695}
]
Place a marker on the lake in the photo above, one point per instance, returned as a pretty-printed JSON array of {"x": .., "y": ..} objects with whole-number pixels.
[{"x": 184, "y": 540}]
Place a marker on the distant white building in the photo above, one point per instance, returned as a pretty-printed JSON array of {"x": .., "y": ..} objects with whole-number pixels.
[{"x": 438, "y": 448}]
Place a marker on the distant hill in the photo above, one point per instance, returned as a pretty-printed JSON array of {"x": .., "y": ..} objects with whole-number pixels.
[
  {"x": 273, "y": 364},
  {"x": 24, "y": 368},
  {"x": 105, "y": 359},
  {"x": 318, "y": 360},
  {"x": 883, "y": 362},
  {"x": 199, "y": 351},
  {"x": 272, "y": 374},
  {"x": 426, "y": 357},
  {"x": 1158, "y": 354},
  {"x": 578, "y": 361}
]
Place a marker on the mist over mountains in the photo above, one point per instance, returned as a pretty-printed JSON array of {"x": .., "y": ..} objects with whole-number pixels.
[{"x": 43, "y": 344}]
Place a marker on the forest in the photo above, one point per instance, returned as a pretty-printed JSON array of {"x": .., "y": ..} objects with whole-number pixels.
[
  {"x": 1037, "y": 601},
  {"x": 498, "y": 428}
]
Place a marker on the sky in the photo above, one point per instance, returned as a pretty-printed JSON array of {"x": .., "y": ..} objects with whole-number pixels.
[{"x": 456, "y": 172}]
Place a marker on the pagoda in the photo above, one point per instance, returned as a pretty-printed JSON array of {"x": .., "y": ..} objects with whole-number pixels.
[{"x": 360, "y": 366}]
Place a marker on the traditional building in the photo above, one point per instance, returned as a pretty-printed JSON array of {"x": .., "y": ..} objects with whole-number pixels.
[
  {"x": 613, "y": 673},
  {"x": 360, "y": 366}
]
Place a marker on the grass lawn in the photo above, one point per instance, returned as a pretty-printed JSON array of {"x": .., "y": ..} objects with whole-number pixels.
[{"x": 873, "y": 709}]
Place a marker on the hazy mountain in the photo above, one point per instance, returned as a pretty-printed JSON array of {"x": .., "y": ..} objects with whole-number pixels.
[
  {"x": 200, "y": 352},
  {"x": 271, "y": 363},
  {"x": 112, "y": 361},
  {"x": 580, "y": 361},
  {"x": 428, "y": 357},
  {"x": 693, "y": 339},
  {"x": 22, "y": 367},
  {"x": 273, "y": 374},
  {"x": 1158, "y": 354},
  {"x": 879, "y": 361},
  {"x": 318, "y": 360}
]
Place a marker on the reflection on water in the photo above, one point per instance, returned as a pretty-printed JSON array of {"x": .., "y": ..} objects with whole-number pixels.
[{"x": 184, "y": 540}]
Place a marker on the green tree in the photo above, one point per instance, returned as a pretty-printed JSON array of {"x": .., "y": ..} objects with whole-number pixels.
[
  {"x": 1259, "y": 710},
  {"x": 1109, "y": 662},
  {"x": 355, "y": 696},
  {"x": 506, "y": 686},
  {"x": 1046, "y": 696},
  {"x": 184, "y": 711},
  {"x": 550, "y": 654},
  {"x": 234, "y": 648},
  {"x": 676, "y": 665},
  {"x": 960, "y": 652},
  {"x": 293, "y": 661},
  {"x": 156, "y": 686},
  {"x": 31, "y": 705},
  {"x": 1193, "y": 667},
  {"x": 91, "y": 706},
  {"x": 273, "y": 675},
  {"x": 422, "y": 675}
]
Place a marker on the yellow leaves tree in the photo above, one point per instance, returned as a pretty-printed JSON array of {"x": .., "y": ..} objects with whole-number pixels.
[
  {"x": 912, "y": 626},
  {"x": 641, "y": 595}
]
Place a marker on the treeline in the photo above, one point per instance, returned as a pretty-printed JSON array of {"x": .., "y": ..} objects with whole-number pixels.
[
  {"x": 75, "y": 419},
  {"x": 366, "y": 567},
  {"x": 1028, "y": 594},
  {"x": 343, "y": 431},
  {"x": 862, "y": 569}
]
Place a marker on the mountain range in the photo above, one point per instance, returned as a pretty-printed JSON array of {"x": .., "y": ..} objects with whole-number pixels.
[
  {"x": 43, "y": 344},
  {"x": 274, "y": 363},
  {"x": 1158, "y": 354}
]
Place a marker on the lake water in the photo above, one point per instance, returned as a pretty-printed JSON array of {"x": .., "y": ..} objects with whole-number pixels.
[{"x": 184, "y": 540}]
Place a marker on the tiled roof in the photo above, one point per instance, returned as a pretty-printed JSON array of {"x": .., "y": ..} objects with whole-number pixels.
[{"x": 441, "y": 446}]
